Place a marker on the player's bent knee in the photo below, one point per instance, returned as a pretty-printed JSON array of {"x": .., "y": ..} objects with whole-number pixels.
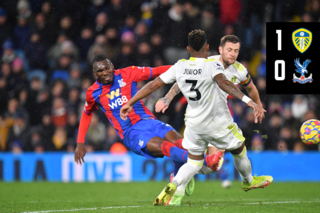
[{"x": 238, "y": 150}]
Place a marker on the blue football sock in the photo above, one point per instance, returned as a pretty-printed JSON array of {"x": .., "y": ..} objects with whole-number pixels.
[
  {"x": 180, "y": 155},
  {"x": 176, "y": 167}
]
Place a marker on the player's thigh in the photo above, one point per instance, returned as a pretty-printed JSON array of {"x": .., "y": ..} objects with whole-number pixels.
[
  {"x": 194, "y": 143},
  {"x": 165, "y": 131},
  {"x": 154, "y": 146},
  {"x": 144, "y": 142},
  {"x": 231, "y": 140},
  {"x": 172, "y": 136}
]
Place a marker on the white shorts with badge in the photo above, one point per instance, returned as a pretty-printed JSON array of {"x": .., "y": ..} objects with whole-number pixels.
[{"x": 196, "y": 144}]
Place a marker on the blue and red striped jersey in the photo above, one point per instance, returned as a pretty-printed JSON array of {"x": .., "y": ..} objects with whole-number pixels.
[{"x": 110, "y": 97}]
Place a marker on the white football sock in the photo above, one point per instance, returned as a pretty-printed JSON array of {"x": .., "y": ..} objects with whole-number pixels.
[
  {"x": 243, "y": 165},
  {"x": 186, "y": 172}
]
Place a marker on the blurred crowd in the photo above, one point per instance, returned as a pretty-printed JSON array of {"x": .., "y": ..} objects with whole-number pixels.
[{"x": 46, "y": 47}]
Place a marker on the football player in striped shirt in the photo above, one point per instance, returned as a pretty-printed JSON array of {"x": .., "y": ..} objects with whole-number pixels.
[{"x": 141, "y": 132}]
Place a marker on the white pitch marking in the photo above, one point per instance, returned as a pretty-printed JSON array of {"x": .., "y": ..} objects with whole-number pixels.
[
  {"x": 208, "y": 204},
  {"x": 83, "y": 209}
]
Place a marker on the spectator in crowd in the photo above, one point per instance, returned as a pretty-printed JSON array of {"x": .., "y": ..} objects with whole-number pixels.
[
  {"x": 24, "y": 11},
  {"x": 99, "y": 46},
  {"x": 126, "y": 57},
  {"x": 5, "y": 27},
  {"x": 84, "y": 42},
  {"x": 257, "y": 143},
  {"x": 61, "y": 71},
  {"x": 101, "y": 23},
  {"x": 299, "y": 107},
  {"x": 8, "y": 52},
  {"x": 282, "y": 145},
  {"x": 56, "y": 50},
  {"x": 111, "y": 139},
  {"x": 50, "y": 16},
  {"x": 73, "y": 101},
  {"x": 59, "y": 113},
  {"x": 19, "y": 134},
  {"x": 46, "y": 130},
  {"x": 97, "y": 7},
  {"x": 75, "y": 76},
  {"x": 67, "y": 27},
  {"x": 175, "y": 42},
  {"x": 60, "y": 139},
  {"x": 46, "y": 32},
  {"x": 36, "y": 53},
  {"x": 145, "y": 56},
  {"x": 21, "y": 34},
  {"x": 3, "y": 94},
  {"x": 129, "y": 25}
]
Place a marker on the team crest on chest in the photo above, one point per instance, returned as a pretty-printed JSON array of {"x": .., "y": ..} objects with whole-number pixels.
[
  {"x": 302, "y": 39},
  {"x": 233, "y": 79},
  {"x": 121, "y": 83}
]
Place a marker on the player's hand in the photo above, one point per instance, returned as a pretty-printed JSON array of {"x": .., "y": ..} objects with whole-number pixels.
[
  {"x": 125, "y": 111},
  {"x": 80, "y": 153},
  {"x": 162, "y": 104},
  {"x": 258, "y": 111}
]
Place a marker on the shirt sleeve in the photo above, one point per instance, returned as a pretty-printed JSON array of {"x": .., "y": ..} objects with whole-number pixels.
[
  {"x": 145, "y": 73},
  {"x": 169, "y": 76},
  {"x": 90, "y": 105},
  {"x": 245, "y": 78},
  {"x": 216, "y": 69}
]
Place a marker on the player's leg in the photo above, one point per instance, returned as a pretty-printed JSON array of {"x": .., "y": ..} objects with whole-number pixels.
[
  {"x": 187, "y": 171},
  {"x": 242, "y": 162},
  {"x": 222, "y": 173},
  {"x": 159, "y": 147},
  {"x": 168, "y": 145},
  {"x": 171, "y": 194}
]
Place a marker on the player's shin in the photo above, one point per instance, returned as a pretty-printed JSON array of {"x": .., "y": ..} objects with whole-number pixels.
[
  {"x": 176, "y": 154},
  {"x": 187, "y": 171},
  {"x": 243, "y": 165}
]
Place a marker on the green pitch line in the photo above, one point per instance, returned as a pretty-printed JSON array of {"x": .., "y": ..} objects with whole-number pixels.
[{"x": 138, "y": 197}]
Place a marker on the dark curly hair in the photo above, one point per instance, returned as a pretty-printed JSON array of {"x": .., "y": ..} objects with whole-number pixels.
[{"x": 197, "y": 39}]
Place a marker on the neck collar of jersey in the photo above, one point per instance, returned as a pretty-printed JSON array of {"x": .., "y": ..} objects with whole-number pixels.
[{"x": 196, "y": 59}]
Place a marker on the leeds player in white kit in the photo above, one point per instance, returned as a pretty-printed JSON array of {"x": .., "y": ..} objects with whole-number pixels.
[
  {"x": 208, "y": 120},
  {"x": 234, "y": 72}
]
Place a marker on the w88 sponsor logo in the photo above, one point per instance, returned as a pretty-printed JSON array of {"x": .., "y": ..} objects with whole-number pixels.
[{"x": 118, "y": 102}]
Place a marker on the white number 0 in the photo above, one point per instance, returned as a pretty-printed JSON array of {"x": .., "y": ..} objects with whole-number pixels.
[{"x": 276, "y": 70}]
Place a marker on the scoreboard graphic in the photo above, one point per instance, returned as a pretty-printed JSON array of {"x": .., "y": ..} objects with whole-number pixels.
[{"x": 293, "y": 58}]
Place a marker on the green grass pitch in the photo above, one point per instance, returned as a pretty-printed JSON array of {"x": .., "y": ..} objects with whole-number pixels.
[{"x": 208, "y": 196}]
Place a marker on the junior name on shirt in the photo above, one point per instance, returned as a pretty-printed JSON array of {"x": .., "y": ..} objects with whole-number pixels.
[{"x": 192, "y": 71}]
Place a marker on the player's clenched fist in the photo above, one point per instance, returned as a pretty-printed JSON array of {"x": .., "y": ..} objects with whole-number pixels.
[
  {"x": 125, "y": 111},
  {"x": 80, "y": 153}
]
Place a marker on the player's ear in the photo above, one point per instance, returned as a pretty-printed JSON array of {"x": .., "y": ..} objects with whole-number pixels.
[
  {"x": 188, "y": 48},
  {"x": 220, "y": 50},
  {"x": 207, "y": 47}
]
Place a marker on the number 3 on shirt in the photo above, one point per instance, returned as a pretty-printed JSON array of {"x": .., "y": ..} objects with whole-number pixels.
[{"x": 194, "y": 83}]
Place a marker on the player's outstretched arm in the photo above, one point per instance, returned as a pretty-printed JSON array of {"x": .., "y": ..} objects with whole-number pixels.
[
  {"x": 253, "y": 93},
  {"x": 81, "y": 150},
  {"x": 144, "y": 92},
  {"x": 231, "y": 89},
  {"x": 163, "y": 103}
]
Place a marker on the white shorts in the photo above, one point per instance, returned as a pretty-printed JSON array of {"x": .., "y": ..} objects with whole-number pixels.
[{"x": 196, "y": 144}]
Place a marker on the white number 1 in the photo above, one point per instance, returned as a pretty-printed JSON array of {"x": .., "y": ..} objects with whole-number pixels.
[{"x": 279, "y": 39}]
